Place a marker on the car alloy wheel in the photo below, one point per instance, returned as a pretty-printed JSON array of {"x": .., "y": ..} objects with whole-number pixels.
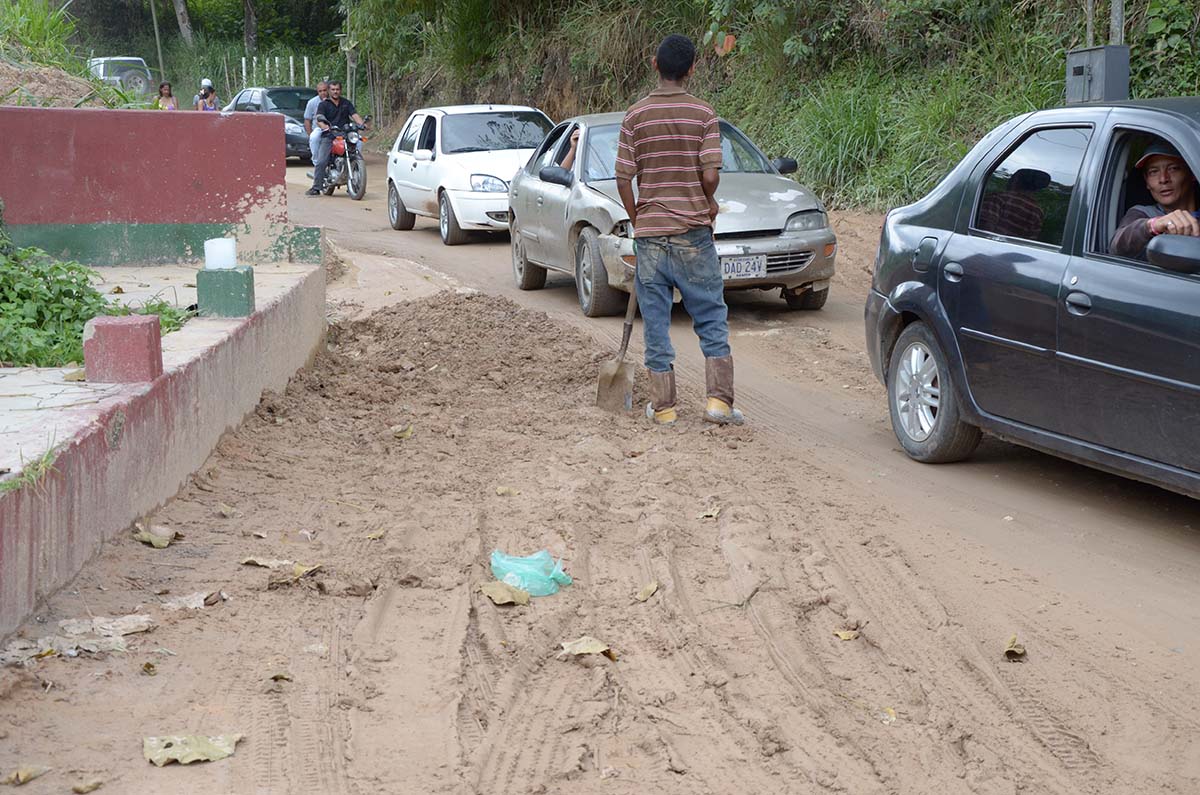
[
  {"x": 444, "y": 217},
  {"x": 393, "y": 205},
  {"x": 918, "y": 392}
]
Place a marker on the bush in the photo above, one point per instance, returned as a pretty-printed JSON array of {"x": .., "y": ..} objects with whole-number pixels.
[{"x": 44, "y": 304}]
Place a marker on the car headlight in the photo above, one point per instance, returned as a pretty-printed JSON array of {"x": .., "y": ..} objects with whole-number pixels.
[
  {"x": 807, "y": 221},
  {"x": 488, "y": 184},
  {"x": 293, "y": 127}
]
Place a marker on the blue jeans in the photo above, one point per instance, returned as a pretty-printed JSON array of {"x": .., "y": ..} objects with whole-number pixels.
[
  {"x": 323, "y": 147},
  {"x": 689, "y": 263},
  {"x": 314, "y": 142}
]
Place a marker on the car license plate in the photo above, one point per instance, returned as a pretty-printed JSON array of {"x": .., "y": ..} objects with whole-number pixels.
[{"x": 744, "y": 267}]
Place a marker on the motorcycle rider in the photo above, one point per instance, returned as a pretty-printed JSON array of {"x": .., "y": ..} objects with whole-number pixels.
[{"x": 335, "y": 111}]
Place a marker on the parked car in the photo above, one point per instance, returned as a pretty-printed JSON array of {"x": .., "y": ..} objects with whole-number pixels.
[
  {"x": 454, "y": 164},
  {"x": 287, "y": 100},
  {"x": 129, "y": 74},
  {"x": 771, "y": 232},
  {"x": 1023, "y": 323}
]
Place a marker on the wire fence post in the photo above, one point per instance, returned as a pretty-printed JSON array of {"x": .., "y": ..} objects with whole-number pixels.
[
  {"x": 306, "y": 81},
  {"x": 243, "y": 71},
  {"x": 292, "y": 69}
]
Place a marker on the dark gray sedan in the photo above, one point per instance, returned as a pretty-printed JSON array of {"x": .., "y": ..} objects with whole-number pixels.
[
  {"x": 771, "y": 233},
  {"x": 1000, "y": 302}
]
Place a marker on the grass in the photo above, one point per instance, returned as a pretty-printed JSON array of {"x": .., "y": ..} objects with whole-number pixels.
[{"x": 32, "y": 472}]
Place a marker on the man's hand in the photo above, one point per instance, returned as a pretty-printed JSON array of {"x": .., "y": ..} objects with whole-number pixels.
[
  {"x": 1179, "y": 222},
  {"x": 625, "y": 190},
  {"x": 713, "y": 209}
]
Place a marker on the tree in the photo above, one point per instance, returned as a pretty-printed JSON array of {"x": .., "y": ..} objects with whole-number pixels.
[
  {"x": 250, "y": 27},
  {"x": 185, "y": 22}
]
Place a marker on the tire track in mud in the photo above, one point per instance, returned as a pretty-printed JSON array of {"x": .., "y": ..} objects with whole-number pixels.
[{"x": 969, "y": 688}]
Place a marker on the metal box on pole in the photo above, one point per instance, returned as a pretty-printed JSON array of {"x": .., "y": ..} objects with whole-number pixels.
[{"x": 1098, "y": 74}]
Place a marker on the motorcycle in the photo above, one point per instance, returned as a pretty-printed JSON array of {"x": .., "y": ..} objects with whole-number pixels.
[{"x": 346, "y": 166}]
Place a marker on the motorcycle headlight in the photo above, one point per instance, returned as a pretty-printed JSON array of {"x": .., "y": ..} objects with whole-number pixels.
[
  {"x": 352, "y": 138},
  {"x": 486, "y": 183},
  {"x": 807, "y": 221}
]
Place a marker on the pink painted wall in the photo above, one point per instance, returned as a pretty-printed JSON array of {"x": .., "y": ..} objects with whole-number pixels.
[{"x": 81, "y": 166}]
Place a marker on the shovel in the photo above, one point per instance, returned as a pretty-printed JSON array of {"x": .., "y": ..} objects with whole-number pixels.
[{"x": 614, "y": 391}]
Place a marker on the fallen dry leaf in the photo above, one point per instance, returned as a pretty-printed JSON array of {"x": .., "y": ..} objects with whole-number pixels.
[
  {"x": 502, "y": 593},
  {"x": 402, "y": 431},
  {"x": 647, "y": 591},
  {"x": 267, "y": 563},
  {"x": 711, "y": 513},
  {"x": 156, "y": 536},
  {"x": 118, "y": 290},
  {"x": 149, "y": 669},
  {"x": 505, "y": 491},
  {"x": 281, "y": 677},
  {"x": 24, "y": 774},
  {"x": 75, "y": 375},
  {"x": 86, "y": 787},
  {"x": 377, "y": 535},
  {"x": 587, "y": 645},
  {"x": 1014, "y": 652},
  {"x": 226, "y": 511},
  {"x": 846, "y": 634},
  {"x": 186, "y": 749}
]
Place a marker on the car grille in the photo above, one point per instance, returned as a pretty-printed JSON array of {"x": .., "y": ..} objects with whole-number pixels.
[
  {"x": 745, "y": 235},
  {"x": 788, "y": 261}
]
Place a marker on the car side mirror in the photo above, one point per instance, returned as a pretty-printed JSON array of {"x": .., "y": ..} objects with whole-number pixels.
[
  {"x": 556, "y": 175},
  {"x": 785, "y": 165},
  {"x": 1179, "y": 253},
  {"x": 423, "y": 155}
]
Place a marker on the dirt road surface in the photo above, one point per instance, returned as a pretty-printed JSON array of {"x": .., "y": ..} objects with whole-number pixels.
[{"x": 403, "y": 678}]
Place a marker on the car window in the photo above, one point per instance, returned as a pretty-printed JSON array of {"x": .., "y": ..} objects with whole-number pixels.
[
  {"x": 1027, "y": 194},
  {"x": 289, "y": 99},
  {"x": 408, "y": 139},
  {"x": 738, "y": 155},
  {"x": 428, "y": 137},
  {"x": 243, "y": 100},
  {"x": 255, "y": 100},
  {"x": 545, "y": 153},
  {"x": 493, "y": 130},
  {"x": 600, "y": 153}
]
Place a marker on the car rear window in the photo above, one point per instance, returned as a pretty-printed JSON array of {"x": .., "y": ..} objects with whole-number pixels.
[
  {"x": 286, "y": 99},
  {"x": 493, "y": 130},
  {"x": 119, "y": 67}
]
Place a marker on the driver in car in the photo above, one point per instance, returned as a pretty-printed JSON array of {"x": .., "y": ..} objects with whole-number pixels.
[{"x": 1173, "y": 188}]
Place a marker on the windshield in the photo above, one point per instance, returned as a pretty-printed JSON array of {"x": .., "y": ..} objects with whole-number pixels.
[
  {"x": 482, "y": 132},
  {"x": 737, "y": 153},
  {"x": 289, "y": 100},
  {"x": 119, "y": 66}
]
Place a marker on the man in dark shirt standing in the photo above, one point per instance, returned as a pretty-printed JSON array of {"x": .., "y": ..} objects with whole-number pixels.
[
  {"x": 671, "y": 142},
  {"x": 332, "y": 112}
]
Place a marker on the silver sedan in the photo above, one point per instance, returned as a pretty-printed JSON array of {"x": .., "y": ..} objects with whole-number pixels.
[{"x": 771, "y": 233}]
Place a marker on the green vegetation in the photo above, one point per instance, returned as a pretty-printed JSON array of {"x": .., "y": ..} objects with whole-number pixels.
[
  {"x": 876, "y": 99},
  {"x": 36, "y": 31},
  {"x": 32, "y": 472},
  {"x": 44, "y": 304}
]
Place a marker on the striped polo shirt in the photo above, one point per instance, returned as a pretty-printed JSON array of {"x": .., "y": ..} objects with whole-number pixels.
[{"x": 667, "y": 140}]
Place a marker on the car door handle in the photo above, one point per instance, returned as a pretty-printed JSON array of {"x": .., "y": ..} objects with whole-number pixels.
[
  {"x": 953, "y": 272},
  {"x": 540, "y": 201},
  {"x": 1079, "y": 303}
]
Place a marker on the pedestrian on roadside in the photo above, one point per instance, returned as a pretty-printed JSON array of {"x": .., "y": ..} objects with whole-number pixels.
[
  {"x": 165, "y": 99},
  {"x": 335, "y": 111},
  {"x": 310, "y": 114},
  {"x": 205, "y": 83},
  {"x": 671, "y": 142}
]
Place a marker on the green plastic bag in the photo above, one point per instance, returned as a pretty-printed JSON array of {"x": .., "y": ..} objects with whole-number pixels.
[{"x": 536, "y": 574}]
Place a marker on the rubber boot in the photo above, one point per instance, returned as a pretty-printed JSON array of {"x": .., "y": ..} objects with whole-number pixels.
[
  {"x": 661, "y": 408},
  {"x": 718, "y": 381}
]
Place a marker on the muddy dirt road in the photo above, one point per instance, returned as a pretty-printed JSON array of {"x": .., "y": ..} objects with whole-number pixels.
[{"x": 402, "y": 678}]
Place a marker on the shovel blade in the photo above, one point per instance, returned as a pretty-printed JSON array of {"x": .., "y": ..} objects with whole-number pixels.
[{"x": 614, "y": 390}]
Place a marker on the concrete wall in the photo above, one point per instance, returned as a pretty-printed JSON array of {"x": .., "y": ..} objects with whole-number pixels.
[
  {"x": 140, "y": 449},
  {"x": 116, "y": 187}
]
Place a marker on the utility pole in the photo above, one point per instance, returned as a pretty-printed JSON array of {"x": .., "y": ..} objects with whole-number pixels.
[
  {"x": 1116, "y": 25},
  {"x": 162, "y": 74},
  {"x": 1091, "y": 23}
]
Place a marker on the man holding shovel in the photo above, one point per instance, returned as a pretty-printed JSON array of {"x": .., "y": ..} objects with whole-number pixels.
[{"x": 671, "y": 143}]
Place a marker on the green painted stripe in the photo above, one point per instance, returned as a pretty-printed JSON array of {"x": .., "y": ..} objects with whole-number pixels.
[{"x": 123, "y": 244}]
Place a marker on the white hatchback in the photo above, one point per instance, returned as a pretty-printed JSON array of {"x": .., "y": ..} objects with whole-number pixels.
[{"x": 455, "y": 163}]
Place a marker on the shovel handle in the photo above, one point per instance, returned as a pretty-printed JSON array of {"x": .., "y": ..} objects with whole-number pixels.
[{"x": 627, "y": 331}]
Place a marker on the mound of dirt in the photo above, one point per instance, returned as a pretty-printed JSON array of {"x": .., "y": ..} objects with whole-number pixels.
[
  {"x": 43, "y": 86},
  {"x": 435, "y": 431}
]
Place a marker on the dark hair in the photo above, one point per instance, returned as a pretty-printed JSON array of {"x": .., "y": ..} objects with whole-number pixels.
[
  {"x": 332, "y": 83},
  {"x": 675, "y": 57},
  {"x": 166, "y": 83}
]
